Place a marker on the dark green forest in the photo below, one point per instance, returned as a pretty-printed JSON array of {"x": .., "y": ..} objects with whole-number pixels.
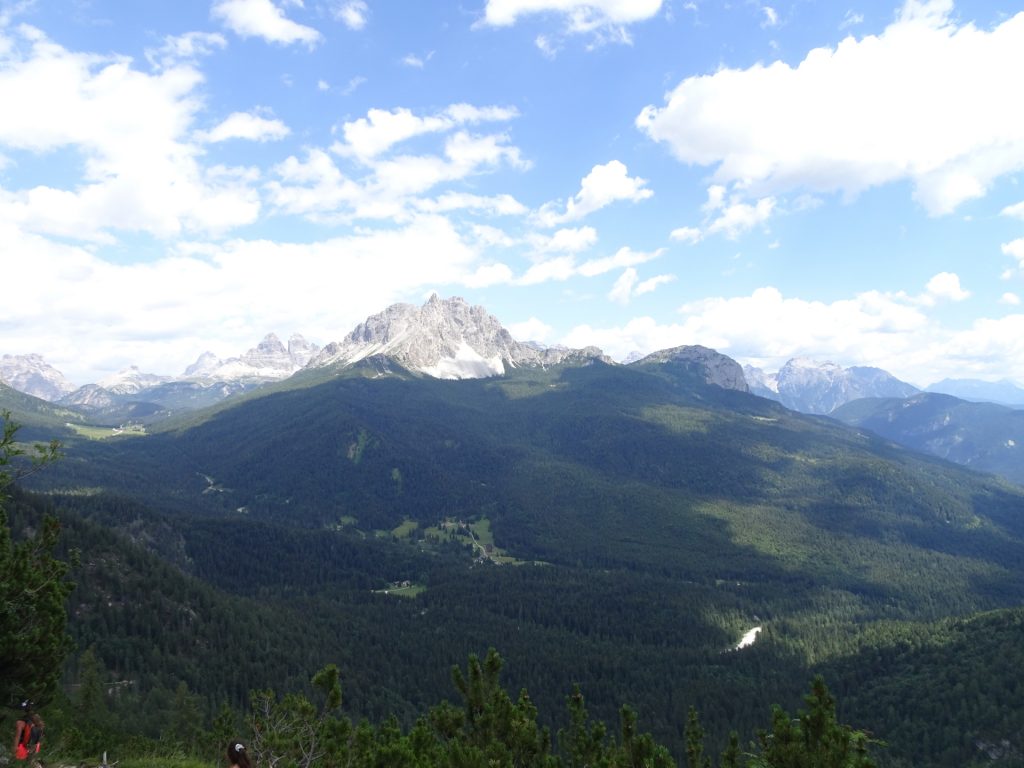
[{"x": 642, "y": 522}]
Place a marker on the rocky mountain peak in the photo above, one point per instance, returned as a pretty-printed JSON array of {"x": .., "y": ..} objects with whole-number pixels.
[
  {"x": 443, "y": 338},
  {"x": 806, "y": 385},
  {"x": 32, "y": 375},
  {"x": 716, "y": 368}
]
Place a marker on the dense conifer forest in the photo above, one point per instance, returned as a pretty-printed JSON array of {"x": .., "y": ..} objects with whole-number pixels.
[{"x": 608, "y": 531}]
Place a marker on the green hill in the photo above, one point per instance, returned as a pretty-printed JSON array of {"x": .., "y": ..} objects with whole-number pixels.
[{"x": 657, "y": 519}]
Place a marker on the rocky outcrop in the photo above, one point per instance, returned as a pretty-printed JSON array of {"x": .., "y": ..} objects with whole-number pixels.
[{"x": 714, "y": 367}]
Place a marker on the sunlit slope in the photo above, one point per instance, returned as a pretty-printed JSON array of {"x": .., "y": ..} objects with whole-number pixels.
[{"x": 600, "y": 465}]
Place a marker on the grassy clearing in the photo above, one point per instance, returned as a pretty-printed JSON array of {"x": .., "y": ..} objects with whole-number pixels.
[
  {"x": 103, "y": 433},
  {"x": 405, "y": 530},
  {"x": 409, "y": 590}
]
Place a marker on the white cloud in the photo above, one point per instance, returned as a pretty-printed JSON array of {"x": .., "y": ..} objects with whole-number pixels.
[
  {"x": 629, "y": 286},
  {"x": 243, "y": 125},
  {"x": 262, "y": 18},
  {"x": 766, "y": 329},
  {"x": 945, "y": 285},
  {"x": 354, "y": 83},
  {"x": 650, "y": 284},
  {"x": 851, "y": 19},
  {"x": 604, "y": 185},
  {"x": 602, "y": 21},
  {"x": 737, "y": 217},
  {"x": 624, "y": 257},
  {"x": 93, "y": 317},
  {"x": 567, "y": 240},
  {"x": 323, "y": 85},
  {"x": 352, "y": 13},
  {"x": 1015, "y": 248},
  {"x": 581, "y": 15},
  {"x": 1016, "y": 211},
  {"x": 1011, "y": 299},
  {"x": 771, "y": 16},
  {"x": 691, "y": 235},
  {"x": 131, "y": 131},
  {"x": 925, "y": 101},
  {"x": 381, "y": 129},
  {"x": 392, "y": 187},
  {"x": 414, "y": 61},
  {"x": 530, "y": 330},
  {"x": 497, "y": 205},
  {"x": 186, "y": 48}
]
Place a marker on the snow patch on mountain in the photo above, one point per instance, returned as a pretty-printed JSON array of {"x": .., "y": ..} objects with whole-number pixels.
[
  {"x": 131, "y": 381},
  {"x": 445, "y": 339}
]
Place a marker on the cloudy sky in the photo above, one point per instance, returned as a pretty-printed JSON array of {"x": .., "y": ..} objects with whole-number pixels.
[{"x": 770, "y": 178}]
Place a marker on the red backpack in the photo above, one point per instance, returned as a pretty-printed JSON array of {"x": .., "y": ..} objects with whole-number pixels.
[{"x": 28, "y": 743}]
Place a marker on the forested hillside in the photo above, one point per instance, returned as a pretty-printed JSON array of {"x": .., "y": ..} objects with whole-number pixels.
[{"x": 616, "y": 528}]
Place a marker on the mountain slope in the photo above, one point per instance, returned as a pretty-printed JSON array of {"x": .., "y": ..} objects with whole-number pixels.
[
  {"x": 983, "y": 436},
  {"x": 1000, "y": 392},
  {"x": 671, "y": 516}
]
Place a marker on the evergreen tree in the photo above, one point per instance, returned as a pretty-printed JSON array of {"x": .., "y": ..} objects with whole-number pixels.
[
  {"x": 814, "y": 739},
  {"x": 33, "y": 590}
]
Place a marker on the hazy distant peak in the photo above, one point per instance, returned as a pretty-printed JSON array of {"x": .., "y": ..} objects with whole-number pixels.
[{"x": 32, "y": 375}]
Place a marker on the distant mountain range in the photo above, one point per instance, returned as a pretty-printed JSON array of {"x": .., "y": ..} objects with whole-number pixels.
[
  {"x": 450, "y": 339},
  {"x": 444, "y": 338},
  {"x": 812, "y": 387},
  {"x": 983, "y": 436}
]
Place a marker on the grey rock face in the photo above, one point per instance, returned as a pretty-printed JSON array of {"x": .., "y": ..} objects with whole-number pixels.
[
  {"x": 717, "y": 369},
  {"x": 270, "y": 360},
  {"x": 446, "y": 339},
  {"x": 34, "y": 376},
  {"x": 814, "y": 387}
]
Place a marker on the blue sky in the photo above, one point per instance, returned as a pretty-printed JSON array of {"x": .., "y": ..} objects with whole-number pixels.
[{"x": 771, "y": 179}]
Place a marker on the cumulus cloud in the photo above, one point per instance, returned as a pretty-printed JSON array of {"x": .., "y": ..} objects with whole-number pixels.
[
  {"x": 738, "y": 217},
  {"x": 891, "y": 330},
  {"x": 567, "y": 240},
  {"x": 264, "y": 19},
  {"x": 924, "y": 102},
  {"x": 1015, "y": 248},
  {"x": 141, "y": 170},
  {"x": 381, "y": 184},
  {"x": 604, "y": 185},
  {"x": 1016, "y": 211},
  {"x": 945, "y": 285},
  {"x": 581, "y": 15},
  {"x": 530, "y": 330},
  {"x": 1011, "y": 299},
  {"x": 162, "y": 314},
  {"x": 186, "y": 48},
  {"x": 629, "y": 285},
  {"x": 370, "y": 136},
  {"x": 566, "y": 244},
  {"x": 352, "y": 13},
  {"x": 244, "y": 125},
  {"x": 691, "y": 235},
  {"x": 602, "y": 21}
]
